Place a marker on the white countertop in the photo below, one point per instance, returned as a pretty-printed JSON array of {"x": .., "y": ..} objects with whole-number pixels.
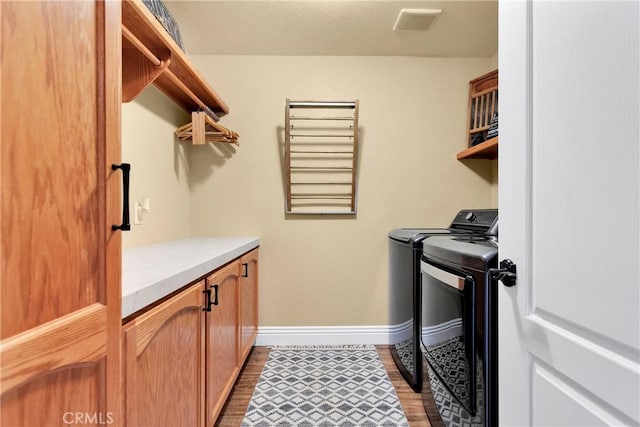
[{"x": 150, "y": 273}]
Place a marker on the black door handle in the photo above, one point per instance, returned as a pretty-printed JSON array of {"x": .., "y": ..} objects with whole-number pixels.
[
  {"x": 245, "y": 271},
  {"x": 207, "y": 300},
  {"x": 126, "y": 169},
  {"x": 215, "y": 295},
  {"x": 506, "y": 273}
]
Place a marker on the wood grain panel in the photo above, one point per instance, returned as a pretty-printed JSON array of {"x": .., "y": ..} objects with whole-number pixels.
[
  {"x": 222, "y": 339},
  {"x": 484, "y": 150},
  {"x": 56, "y": 399},
  {"x": 138, "y": 72},
  {"x": 110, "y": 100},
  {"x": 248, "y": 304},
  {"x": 50, "y": 230},
  {"x": 149, "y": 323},
  {"x": 77, "y": 338},
  {"x": 164, "y": 374},
  {"x": 59, "y": 260}
]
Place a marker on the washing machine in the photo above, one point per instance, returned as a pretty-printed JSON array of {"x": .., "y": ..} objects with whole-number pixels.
[{"x": 405, "y": 292}]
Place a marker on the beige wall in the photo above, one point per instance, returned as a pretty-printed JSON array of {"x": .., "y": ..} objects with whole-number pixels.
[
  {"x": 494, "y": 184},
  {"x": 494, "y": 61},
  {"x": 158, "y": 168},
  {"x": 333, "y": 270}
]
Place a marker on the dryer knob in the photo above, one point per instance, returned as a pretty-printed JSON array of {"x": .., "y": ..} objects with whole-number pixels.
[{"x": 470, "y": 217}]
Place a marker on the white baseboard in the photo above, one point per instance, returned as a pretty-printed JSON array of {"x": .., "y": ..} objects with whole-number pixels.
[{"x": 333, "y": 335}]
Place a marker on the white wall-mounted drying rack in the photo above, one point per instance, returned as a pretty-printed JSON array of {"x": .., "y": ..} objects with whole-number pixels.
[{"x": 321, "y": 157}]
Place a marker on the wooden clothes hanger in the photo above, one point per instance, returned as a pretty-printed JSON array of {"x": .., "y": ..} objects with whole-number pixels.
[{"x": 203, "y": 129}]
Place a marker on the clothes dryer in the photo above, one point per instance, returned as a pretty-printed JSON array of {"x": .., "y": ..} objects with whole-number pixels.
[
  {"x": 405, "y": 251},
  {"x": 459, "y": 341}
]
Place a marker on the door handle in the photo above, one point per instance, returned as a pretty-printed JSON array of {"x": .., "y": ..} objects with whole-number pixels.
[
  {"x": 506, "y": 273},
  {"x": 245, "y": 269},
  {"x": 207, "y": 300},
  {"x": 207, "y": 297},
  {"x": 452, "y": 280},
  {"x": 215, "y": 294},
  {"x": 126, "y": 169}
]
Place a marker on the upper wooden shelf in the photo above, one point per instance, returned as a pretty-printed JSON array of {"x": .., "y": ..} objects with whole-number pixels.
[
  {"x": 150, "y": 55},
  {"x": 482, "y": 106},
  {"x": 484, "y": 150}
]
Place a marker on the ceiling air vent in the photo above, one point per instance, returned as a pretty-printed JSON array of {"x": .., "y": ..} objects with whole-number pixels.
[{"x": 415, "y": 19}]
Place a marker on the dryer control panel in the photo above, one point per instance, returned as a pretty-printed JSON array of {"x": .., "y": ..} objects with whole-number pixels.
[{"x": 482, "y": 220}]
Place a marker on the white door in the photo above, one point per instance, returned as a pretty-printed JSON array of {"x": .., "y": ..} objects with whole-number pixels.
[{"x": 569, "y": 213}]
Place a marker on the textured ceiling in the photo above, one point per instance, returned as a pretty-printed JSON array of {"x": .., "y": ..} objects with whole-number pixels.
[{"x": 330, "y": 27}]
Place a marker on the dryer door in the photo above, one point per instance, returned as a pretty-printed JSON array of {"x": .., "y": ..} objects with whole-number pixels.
[{"x": 447, "y": 334}]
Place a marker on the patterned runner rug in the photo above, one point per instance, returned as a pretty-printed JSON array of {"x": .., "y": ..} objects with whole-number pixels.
[{"x": 325, "y": 386}]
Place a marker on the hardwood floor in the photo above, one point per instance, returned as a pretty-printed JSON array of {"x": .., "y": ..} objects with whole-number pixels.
[
  {"x": 236, "y": 406},
  {"x": 410, "y": 400}
]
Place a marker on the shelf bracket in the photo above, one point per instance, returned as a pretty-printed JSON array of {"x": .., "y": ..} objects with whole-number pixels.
[{"x": 139, "y": 68}]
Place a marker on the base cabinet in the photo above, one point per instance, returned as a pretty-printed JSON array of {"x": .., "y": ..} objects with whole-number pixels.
[
  {"x": 248, "y": 303},
  {"x": 164, "y": 363},
  {"x": 222, "y": 338},
  {"x": 183, "y": 356}
]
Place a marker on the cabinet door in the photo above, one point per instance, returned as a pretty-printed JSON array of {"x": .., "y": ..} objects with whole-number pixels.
[
  {"x": 164, "y": 348},
  {"x": 248, "y": 303},
  {"x": 60, "y": 261},
  {"x": 222, "y": 338}
]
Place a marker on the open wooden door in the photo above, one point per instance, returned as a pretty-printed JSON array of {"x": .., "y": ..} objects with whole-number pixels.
[{"x": 60, "y": 260}]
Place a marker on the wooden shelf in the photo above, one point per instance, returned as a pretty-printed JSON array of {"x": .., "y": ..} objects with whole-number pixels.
[
  {"x": 483, "y": 104},
  {"x": 484, "y": 150},
  {"x": 150, "y": 55}
]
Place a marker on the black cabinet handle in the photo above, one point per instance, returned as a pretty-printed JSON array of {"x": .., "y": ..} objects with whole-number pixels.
[
  {"x": 207, "y": 300},
  {"x": 506, "y": 273},
  {"x": 215, "y": 295},
  {"x": 126, "y": 169},
  {"x": 245, "y": 271}
]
